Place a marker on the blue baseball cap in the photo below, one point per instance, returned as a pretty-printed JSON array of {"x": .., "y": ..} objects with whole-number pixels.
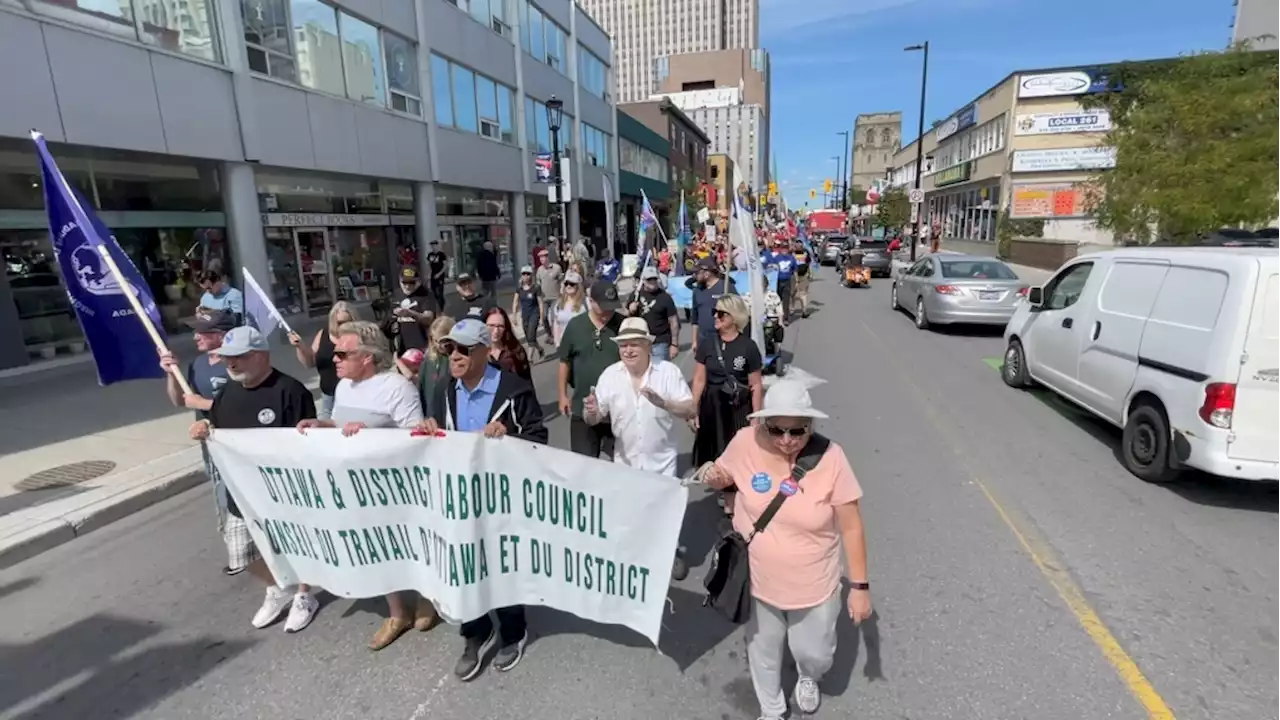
[
  {"x": 242, "y": 341},
  {"x": 470, "y": 332}
]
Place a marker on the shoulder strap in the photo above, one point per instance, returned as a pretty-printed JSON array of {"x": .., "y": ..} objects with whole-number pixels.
[{"x": 806, "y": 461}]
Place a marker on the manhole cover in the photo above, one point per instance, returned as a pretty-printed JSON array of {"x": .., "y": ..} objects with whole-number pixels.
[{"x": 64, "y": 475}]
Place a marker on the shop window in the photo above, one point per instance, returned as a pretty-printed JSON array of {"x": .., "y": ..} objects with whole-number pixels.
[
  {"x": 20, "y": 177},
  {"x": 281, "y": 192},
  {"x": 402, "y": 74},
  {"x": 186, "y": 28},
  {"x": 317, "y": 47},
  {"x": 362, "y": 61},
  {"x": 362, "y": 264},
  {"x": 282, "y": 268},
  {"x": 128, "y": 185}
]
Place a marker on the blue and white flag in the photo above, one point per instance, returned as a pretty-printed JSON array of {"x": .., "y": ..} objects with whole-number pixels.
[
  {"x": 122, "y": 346},
  {"x": 259, "y": 311}
]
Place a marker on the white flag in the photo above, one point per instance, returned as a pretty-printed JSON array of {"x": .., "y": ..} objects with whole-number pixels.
[
  {"x": 744, "y": 224},
  {"x": 259, "y": 311}
]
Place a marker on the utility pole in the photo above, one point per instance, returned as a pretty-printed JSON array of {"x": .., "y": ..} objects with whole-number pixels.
[
  {"x": 844, "y": 192},
  {"x": 924, "y": 84}
]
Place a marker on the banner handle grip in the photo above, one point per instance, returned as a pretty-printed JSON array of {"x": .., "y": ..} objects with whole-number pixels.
[{"x": 142, "y": 315}]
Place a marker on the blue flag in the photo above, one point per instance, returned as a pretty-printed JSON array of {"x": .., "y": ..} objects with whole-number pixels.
[{"x": 121, "y": 347}]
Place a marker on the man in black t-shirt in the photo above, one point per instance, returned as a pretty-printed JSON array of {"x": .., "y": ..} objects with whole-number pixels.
[
  {"x": 437, "y": 273},
  {"x": 467, "y": 302},
  {"x": 414, "y": 312},
  {"x": 259, "y": 396},
  {"x": 659, "y": 312}
]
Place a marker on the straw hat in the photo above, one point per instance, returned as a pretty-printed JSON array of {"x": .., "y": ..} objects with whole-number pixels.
[
  {"x": 633, "y": 328},
  {"x": 788, "y": 398}
]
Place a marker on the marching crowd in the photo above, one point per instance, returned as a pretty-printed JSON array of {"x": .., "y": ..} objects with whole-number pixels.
[{"x": 454, "y": 362}]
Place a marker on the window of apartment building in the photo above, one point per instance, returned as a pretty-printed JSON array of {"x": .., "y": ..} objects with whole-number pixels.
[
  {"x": 542, "y": 38},
  {"x": 362, "y": 60},
  {"x": 537, "y": 130},
  {"x": 267, "y": 38},
  {"x": 316, "y": 46},
  {"x": 402, "y": 74},
  {"x": 592, "y": 73},
  {"x": 595, "y": 144},
  {"x": 490, "y": 13},
  {"x": 183, "y": 28},
  {"x": 468, "y": 101}
]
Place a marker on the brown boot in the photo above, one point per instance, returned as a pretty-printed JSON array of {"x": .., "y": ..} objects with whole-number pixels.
[
  {"x": 391, "y": 629},
  {"x": 426, "y": 616}
]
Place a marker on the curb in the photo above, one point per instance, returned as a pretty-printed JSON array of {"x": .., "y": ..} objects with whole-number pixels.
[{"x": 47, "y": 534}]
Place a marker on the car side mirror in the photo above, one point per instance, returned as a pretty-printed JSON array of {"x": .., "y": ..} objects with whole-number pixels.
[{"x": 1035, "y": 297}]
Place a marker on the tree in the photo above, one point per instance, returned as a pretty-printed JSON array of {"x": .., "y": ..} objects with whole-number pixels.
[
  {"x": 1196, "y": 146},
  {"x": 694, "y": 200},
  {"x": 894, "y": 209},
  {"x": 857, "y": 195}
]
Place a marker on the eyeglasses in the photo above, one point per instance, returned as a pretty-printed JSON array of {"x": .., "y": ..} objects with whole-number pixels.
[
  {"x": 499, "y": 326},
  {"x": 449, "y": 347},
  {"x": 796, "y": 432}
]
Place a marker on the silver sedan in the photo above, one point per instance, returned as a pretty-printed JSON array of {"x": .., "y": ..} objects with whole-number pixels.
[{"x": 953, "y": 288}]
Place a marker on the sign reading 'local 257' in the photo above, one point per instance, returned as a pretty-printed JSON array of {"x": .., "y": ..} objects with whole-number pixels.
[
  {"x": 1059, "y": 84},
  {"x": 1063, "y": 122}
]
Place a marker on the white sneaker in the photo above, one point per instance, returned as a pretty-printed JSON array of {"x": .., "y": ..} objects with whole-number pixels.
[
  {"x": 301, "y": 612},
  {"x": 273, "y": 603},
  {"x": 808, "y": 697}
]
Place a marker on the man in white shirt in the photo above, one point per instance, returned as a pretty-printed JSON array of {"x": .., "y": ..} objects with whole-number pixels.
[{"x": 642, "y": 400}]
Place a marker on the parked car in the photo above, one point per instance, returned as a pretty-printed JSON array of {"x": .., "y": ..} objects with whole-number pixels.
[
  {"x": 954, "y": 288},
  {"x": 875, "y": 255},
  {"x": 1177, "y": 346}
]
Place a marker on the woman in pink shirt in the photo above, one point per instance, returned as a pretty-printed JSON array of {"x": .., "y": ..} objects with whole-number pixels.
[{"x": 795, "y": 561}]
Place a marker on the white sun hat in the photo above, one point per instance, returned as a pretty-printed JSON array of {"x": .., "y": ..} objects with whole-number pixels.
[
  {"x": 633, "y": 328},
  {"x": 788, "y": 397}
]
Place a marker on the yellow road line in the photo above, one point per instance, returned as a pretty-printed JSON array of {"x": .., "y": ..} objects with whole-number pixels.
[{"x": 1042, "y": 555}]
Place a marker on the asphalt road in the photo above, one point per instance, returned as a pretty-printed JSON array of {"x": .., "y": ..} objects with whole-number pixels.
[{"x": 1017, "y": 570}]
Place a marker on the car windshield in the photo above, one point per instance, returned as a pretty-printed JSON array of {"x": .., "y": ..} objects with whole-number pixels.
[{"x": 977, "y": 269}]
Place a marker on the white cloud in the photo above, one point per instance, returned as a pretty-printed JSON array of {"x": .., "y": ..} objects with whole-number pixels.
[{"x": 783, "y": 15}]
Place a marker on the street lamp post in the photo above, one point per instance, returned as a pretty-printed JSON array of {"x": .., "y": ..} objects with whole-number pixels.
[
  {"x": 924, "y": 83},
  {"x": 844, "y": 191},
  {"x": 835, "y": 189},
  {"x": 555, "y": 116}
]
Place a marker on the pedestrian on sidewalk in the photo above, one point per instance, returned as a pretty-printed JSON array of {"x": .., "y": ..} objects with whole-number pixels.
[
  {"x": 319, "y": 354},
  {"x": 504, "y": 347},
  {"x": 207, "y": 376},
  {"x": 481, "y": 397},
  {"x": 218, "y": 293},
  {"x": 437, "y": 272},
  {"x": 658, "y": 309},
  {"x": 586, "y": 349},
  {"x": 488, "y": 270},
  {"x": 373, "y": 394},
  {"x": 529, "y": 305},
  {"x": 796, "y": 573},
  {"x": 258, "y": 396}
]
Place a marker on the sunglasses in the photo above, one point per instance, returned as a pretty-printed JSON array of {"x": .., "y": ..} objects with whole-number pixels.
[
  {"x": 776, "y": 431},
  {"x": 341, "y": 355},
  {"x": 571, "y": 285},
  {"x": 449, "y": 347},
  {"x": 720, "y": 313}
]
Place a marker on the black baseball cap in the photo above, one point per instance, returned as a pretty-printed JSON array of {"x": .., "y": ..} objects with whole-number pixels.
[
  {"x": 707, "y": 263},
  {"x": 605, "y": 294},
  {"x": 206, "y": 321}
]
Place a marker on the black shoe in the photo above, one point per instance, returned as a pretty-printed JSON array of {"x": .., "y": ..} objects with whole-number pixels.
[
  {"x": 469, "y": 666},
  {"x": 509, "y": 656},
  {"x": 229, "y": 571}
]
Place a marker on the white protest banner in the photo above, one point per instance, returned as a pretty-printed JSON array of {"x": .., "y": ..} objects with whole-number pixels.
[{"x": 472, "y": 523}]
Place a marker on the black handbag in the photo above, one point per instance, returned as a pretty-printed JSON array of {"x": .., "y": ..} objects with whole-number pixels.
[
  {"x": 736, "y": 391},
  {"x": 728, "y": 580}
]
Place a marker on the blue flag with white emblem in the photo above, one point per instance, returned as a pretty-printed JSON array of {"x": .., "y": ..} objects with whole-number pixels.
[{"x": 121, "y": 347}]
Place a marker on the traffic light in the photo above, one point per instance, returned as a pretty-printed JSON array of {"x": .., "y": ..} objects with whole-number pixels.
[
  {"x": 826, "y": 186},
  {"x": 773, "y": 188},
  {"x": 813, "y": 194}
]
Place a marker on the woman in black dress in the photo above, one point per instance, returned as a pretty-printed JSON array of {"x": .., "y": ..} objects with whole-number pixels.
[
  {"x": 319, "y": 354},
  {"x": 726, "y": 380}
]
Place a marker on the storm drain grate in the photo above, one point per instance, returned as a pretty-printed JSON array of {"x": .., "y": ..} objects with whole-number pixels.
[{"x": 66, "y": 475}]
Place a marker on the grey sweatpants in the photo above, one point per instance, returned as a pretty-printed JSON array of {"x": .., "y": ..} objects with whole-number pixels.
[{"x": 811, "y": 634}]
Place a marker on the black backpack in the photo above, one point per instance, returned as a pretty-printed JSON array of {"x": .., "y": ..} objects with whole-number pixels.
[{"x": 728, "y": 580}]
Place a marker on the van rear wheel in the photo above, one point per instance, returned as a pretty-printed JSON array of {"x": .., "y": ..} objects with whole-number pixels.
[{"x": 1146, "y": 444}]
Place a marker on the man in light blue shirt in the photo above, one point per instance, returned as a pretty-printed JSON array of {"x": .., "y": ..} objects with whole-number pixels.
[
  {"x": 219, "y": 295},
  {"x": 475, "y": 405}
]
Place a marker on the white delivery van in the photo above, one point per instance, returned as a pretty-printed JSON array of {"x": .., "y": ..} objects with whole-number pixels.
[{"x": 1177, "y": 346}]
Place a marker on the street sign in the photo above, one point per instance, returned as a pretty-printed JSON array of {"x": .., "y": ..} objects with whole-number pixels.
[{"x": 916, "y": 196}]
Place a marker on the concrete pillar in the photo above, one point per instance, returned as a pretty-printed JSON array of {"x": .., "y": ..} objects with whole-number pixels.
[
  {"x": 575, "y": 220},
  {"x": 424, "y": 213},
  {"x": 244, "y": 224},
  {"x": 519, "y": 232}
]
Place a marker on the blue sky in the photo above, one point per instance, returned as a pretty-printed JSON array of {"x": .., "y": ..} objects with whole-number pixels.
[{"x": 834, "y": 59}]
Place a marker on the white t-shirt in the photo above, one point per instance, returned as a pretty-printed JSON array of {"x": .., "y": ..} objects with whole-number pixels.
[
  {"x": 645, "y": 436},
  {"x": 386, "y": 400}
]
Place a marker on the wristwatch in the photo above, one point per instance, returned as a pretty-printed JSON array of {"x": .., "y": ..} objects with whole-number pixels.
[{"x": 859, "y": 585}]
